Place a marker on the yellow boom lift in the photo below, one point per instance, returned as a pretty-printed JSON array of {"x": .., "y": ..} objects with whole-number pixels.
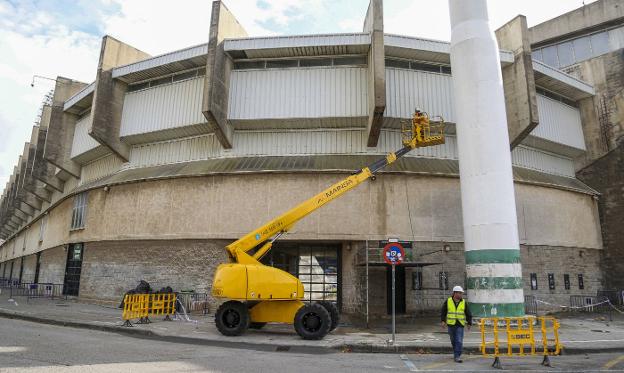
[{"x": 257, "y": 293}]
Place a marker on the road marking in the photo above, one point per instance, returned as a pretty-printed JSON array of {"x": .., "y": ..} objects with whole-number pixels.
[
  {"x": 408, "y": 363},
  {"x": 611, "y": 363},
  {"x": 437, "y": 365}
]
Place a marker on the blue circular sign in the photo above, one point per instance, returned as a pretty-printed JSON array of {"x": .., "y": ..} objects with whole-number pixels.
[{"x": 393, "y": 253}]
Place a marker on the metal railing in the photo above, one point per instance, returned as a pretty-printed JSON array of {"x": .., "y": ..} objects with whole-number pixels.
[
  {"x": 589, "y": 303},
  {"x": 32, "y": 290},
  {"x": 530, "y": 305},
  {"x": 193, "y": 302}
]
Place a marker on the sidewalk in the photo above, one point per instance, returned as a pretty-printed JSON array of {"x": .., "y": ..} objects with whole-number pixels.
[{"x": 579, "y": 333}]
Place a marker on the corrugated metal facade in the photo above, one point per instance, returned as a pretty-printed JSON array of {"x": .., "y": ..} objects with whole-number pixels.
[
  {"x": 163, "y": 61},
  {"x": 162, "y": 108},
  {"x": 175, "y": 151},
  {"x": 409, "y": 89},
  {"x": 534, "y": 159},
  {"x": 99, "y": 168},
  {"x": 559, "y": 123},
  {"x": 82, "y": 142},
  {"x": 298, "y": 93},
  {"x": 292, "y": 143},
  {"x": 299, "y": 45}
]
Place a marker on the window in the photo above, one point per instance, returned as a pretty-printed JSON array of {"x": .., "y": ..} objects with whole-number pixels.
[
  {"x": 425, "y": 67},
  {"x": 138, "y": 87},
  {"x": 580, "y": 282},
  {"x": 582, "y": 49},
  {"x": 79, "y": 211},
  {"x": 537, "y": 55},
  {"x": 42, "y": 227},
  {"x": 443, "y": 281},
  {"x": 355, "y": 60},
  {"x": 312, "y": 62},
  {"x": 566, "y": 281},
  {"x": 533, "y": 281},
  {"x": 184, "y": 76},
  {"x": 550, "y": 56},
  {"x": 551, "y": 281},
  {"x": 417, "y": 280},
  {"x": 281, "y": 63},
  {"x": 599, "y": 43},
  {"x": 401, "y": 64},
  {"x": 160, "y": 81},
  {"x": 246, "y": 65},
  {"x": 566, "y": 54}
]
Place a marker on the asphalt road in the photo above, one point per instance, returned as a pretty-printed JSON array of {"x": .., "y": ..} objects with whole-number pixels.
[{"x": 32, "y": 347}]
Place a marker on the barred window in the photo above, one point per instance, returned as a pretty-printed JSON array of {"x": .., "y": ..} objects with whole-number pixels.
[{"x": 79, "y": 212}]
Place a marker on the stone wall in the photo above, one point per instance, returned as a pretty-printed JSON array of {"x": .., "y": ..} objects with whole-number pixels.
[
  {"x": 30, "y": 266},
  {"x": 540, "y": 260},
  {"x": 422, "y": 208},
  {"x": 53, "y": 263},
  {"x": 110, "y": 268},
  {"x": 543, "y": 260},
  {"x": 607, "y": 176}
]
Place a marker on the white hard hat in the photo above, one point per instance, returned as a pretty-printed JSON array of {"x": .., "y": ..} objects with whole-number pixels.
[{"x": 458, "y": 289}]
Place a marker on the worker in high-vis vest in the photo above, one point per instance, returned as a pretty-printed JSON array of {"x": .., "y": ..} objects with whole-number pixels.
[{"x": 455, "y": 316}]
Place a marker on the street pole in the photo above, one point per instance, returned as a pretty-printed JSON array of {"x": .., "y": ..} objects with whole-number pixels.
[{"x": 393, "y": 306}]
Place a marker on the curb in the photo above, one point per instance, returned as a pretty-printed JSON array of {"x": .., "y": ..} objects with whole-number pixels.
[{"x": 272, "y": 347}]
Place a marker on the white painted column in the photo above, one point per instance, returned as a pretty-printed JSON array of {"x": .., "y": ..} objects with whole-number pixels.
[{"x": 494, "y": 284}]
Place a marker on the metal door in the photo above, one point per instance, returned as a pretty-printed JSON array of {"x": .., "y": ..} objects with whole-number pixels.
[
  {"x": 37, "y": 268},
  {"x": 72, "y": 269}
]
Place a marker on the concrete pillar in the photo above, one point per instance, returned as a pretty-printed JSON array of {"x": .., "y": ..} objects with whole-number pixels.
[
  {"x": 223, "y": 25},
  {"x": 518, "y": 80},
  {"x": 492, "y": 251},
  {"x": 43, "y": 170},
  {"x": 28, "y": 209},
  {"x": 109, "y": 94},
  {"x": 31, "y": 184},
  {"x": 60, "y": 132},
  {"x": 373, "y": 24}
]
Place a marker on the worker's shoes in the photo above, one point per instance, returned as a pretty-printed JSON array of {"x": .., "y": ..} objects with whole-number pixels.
[{"x": 458, "y": 360}]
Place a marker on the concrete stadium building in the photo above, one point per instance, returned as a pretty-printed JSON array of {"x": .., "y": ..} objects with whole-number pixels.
[{"x": 150, "y": 170}]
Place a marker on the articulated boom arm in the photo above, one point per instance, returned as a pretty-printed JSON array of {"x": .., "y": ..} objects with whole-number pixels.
[{"x": 420, "y": 134}]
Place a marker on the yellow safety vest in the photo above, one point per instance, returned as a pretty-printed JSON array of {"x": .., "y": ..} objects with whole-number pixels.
[{"x": 455, "y": 314}]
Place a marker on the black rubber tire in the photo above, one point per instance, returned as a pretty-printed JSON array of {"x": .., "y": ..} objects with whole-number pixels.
[
  {"x": 312, "y": 322},
  {"x": 257, "y": 325},
  {"x": 232, "y": 318},
  {"x": 333, "y": 313}
]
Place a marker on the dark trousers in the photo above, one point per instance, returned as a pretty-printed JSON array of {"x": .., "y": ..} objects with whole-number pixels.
[{"x": 456, "y": 332}]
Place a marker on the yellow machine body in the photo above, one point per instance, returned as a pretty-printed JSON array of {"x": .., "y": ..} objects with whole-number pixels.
[
  {"x": 274, "y": 295},
  {"x": 275, "y": 311},
  {"x": 254, "y": 282}
]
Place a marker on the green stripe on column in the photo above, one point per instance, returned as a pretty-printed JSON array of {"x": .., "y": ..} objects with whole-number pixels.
[
  {"x": 488, "y": 256},
  {"x": 502, "y": 309},
  {"x": 494, "y": 283}
]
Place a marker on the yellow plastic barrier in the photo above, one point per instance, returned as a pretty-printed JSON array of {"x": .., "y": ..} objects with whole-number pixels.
[
  {"x": 162, "y": 304},
  {"x": 135, "y": 307},
  {"x": 511, "y": 335},
  {"x": 141, "y": 306}
]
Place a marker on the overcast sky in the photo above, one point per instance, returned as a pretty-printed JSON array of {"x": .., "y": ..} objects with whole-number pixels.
[{"x": 62, "y": 38}]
